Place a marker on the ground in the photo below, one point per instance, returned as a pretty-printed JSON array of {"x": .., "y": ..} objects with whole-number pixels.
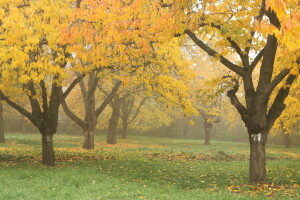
[{"x": 142, "y": 168}]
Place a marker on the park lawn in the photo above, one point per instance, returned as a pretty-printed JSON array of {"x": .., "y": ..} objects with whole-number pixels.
[{"x": 142, "y": 168}]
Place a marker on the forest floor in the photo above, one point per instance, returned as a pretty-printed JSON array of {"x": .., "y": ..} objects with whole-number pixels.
[{"x": 142, "y": 168}]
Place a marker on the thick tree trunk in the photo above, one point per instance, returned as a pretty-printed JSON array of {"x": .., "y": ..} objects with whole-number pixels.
[
  {"x": 287, "y": 142},
  {"x": 257, "y": 167},
  {"x": 47, "y": 149},
  {"x": 88, "y": 139},
  {"x": 2, "y": 138},
  {"x": 112, "y": 130},
  {"x": 124, "y": 130}
]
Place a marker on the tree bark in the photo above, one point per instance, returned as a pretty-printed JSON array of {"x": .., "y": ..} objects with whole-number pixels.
[
  {"x": 257, "y": 166},
  {"x": 287, "y": 142},
  {"x": 113, "y": 121},
  {"x": 207, "y": 136},
  {"x": 2, "y": 138},
  {"x": 207, "y": 131},
  {"x": 88, "y": 139},
  {"x": 124, "y": 129},
  {"x": 47, "y": 149}
]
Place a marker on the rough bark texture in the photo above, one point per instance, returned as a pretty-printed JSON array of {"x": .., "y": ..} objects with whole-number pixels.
[
  {"x": 113, "y": 121},
  {"x": 2, "y": 137},
  {"x": 89, "y": 140},
  {"x": 47, "y": 149},
  {"x": 257, "y": 167}
]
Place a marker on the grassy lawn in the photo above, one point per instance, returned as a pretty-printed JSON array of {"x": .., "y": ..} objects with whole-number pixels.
[{"x": 142, "y": 168}]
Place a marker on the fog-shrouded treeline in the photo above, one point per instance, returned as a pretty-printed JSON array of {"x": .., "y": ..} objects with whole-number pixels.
[{"x": 182, "y": 129}]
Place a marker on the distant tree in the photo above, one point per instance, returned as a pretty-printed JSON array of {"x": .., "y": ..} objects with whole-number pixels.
[{"x": 128, "y": 114}]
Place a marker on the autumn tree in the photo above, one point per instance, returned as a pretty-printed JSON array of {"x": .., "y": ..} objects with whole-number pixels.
[
  {"x": 251, "y": 31},
  {"x": 34, "y": 62},
  {"x": 119, "y": 35},
  {"x": 91, "y": 114},
  {"x": 122, "y": 106}
]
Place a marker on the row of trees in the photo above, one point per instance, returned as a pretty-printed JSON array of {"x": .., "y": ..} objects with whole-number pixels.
[{"x": 47, "y": 48}]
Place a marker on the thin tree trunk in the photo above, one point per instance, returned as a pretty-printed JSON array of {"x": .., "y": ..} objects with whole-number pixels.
[
  {"x": 47, "y": 149},
  {"x": 2, "y": 138},
  {"x": 287, "y": 142},
  {"x": 257, "y": 167}
]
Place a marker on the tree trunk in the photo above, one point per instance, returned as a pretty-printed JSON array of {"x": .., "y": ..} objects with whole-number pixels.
[
  {"x": 207, "y": 131},
  {"x": 257, "y": 168},
  {"x": 207, "y": 136},
  {"x": 88, "y": 139},
  {"x": 124, "y": 130},
  {"x": 287, "y": 140},
  {"x": 112, "y": 130},
  {"x": 2, "y": 138},
  {"x": 113, "y": 121},
  {"x": 47, "y": 149}
]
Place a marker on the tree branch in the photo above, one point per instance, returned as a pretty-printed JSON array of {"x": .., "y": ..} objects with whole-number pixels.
[
  {"x": 34, "y": 119},
  {"x": 35, "y": 106},
  {"x": 278, "y": 105},
  {"x": 277, "y": 79},
  {"x": 257, "y": 59},
  {"x": 72, "y": 115},
  {"x": 44, "y": 98},
  {"x": 235, "y": 68},
  {"x": 108, "y": 98},
  {"x": 72, "y": 85},
  {"x": 138, "y": 110}
]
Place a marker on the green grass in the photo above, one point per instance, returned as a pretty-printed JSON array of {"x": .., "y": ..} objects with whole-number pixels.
[{"x": 142, "y": 168}]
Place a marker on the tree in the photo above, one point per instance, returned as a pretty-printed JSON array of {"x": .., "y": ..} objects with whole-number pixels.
[
  {"x": 245, "y": 29},
  {"x": 127, "y": 108},
  {"x": 88, "y": 123},
  {"x": 119, "y": 35},
  {"x": 114, "y": 120},
  {"x": 209, "y": 110},
  {"x": 34, "y": 62}
]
